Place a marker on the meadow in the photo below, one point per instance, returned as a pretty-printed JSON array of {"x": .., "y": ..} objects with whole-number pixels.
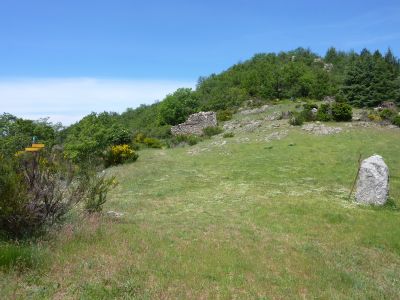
[{"x": 246, "y": 217}]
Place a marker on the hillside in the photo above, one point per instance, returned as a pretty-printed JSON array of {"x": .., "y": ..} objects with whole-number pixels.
[{"x": 263, "y": 214}]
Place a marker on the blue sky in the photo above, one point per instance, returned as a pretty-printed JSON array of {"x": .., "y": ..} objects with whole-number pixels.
[{"x": 87, "y": 49}]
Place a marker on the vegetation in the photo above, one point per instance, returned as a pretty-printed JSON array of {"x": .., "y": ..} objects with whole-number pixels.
[
  {"x": 264, "y": 215},
  {"x": 98, "y": 187},
  {"x": 36, "y": 191},
  {"x": 119, "y": 154},
  {"x": 341, "y": 112},
  {"x": 212, "y": 130},
  {"x": 207, "y": 225}
]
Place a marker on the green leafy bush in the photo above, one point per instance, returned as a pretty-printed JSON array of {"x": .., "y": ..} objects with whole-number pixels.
[
  {"x": 387, "y": 114},
  {"x": 119, "y": 154},
  {"x": 152, "y": 142},
  {"x": 374, "y": 117},
  {"x": 342, "y": 112},
  {"x": 396, "y": 120},
  {"x": 212, "y": 130},
  {"x": 228, "y": 135},
  {"x": 224, "y": 115},
  {"x": 297, "y": 119},
  {"x": 324, "y": 113},
  {"x": 96, "y": 196}
]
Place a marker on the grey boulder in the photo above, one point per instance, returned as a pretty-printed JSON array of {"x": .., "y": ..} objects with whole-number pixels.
[{"x": 373, "y": 181}]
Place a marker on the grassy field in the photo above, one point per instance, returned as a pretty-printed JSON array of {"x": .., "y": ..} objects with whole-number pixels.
[{"x": 247, "y": 217}]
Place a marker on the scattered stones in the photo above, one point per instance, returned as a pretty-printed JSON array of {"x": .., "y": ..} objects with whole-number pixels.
[
  {"x": 196, "y": 123},
  {"x": 277, "y": 135},
  {"x": 373, "y": 181},
  {"x": 251, "y": 126},
  {"x": 255, "y": 110},
  {"x": 114, "y": 215},
  {"x": 320, "y": 129},
  {"x": 273, "y": 117}
]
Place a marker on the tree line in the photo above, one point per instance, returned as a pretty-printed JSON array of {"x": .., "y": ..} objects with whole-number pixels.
[{"x": 363, "y": 79}]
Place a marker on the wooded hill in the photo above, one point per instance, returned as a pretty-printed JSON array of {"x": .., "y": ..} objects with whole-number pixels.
[{"x": 362, "y": 79}]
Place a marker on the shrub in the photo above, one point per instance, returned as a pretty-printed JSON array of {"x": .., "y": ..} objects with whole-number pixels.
[
  {"x": 212, "y": 130},
  {"x": 139, "y": 137},
  {"x": 183, "y": 139},
  {"x": 387, "y": 114},
  {"x": 119, "y": 154},
  {"x": 224, "y": 115},
  {"x": 324, "y": 113},
  {"x": 96, "y": 196},
  {"x": 396, "y": 120},
  {"x": 342, "y": 112},
  {"x": 152, "y": 142},
  {"x": 228, "y": 135},
  {"x": 297, "y": 119},
  {"x": 374, "y": 117},
  {"x": 36, "y": 191}
]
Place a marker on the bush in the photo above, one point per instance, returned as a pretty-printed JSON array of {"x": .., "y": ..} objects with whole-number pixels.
[
  {"x": 183, "y": 139},
  {"x": 212, "y": 130},
  {"x": 152, "y": 142},
  {"x": 297, "y": 119},
  {"x": 387, "y": 114},
  {"x": 342, "y": 112},
  {"x": 119, "y": 154},
  {"x": 98, "y": 187},
  {"x": 139, "y": 137},
  {"x": 324, "y": 113},
  {"x": 396, "y": 120},
  {"x": 228, "y": 135},
  {"x": 224, "y": 115},
  {"x": 36, "y": 191},
  {"x": 374, "y": 117}
]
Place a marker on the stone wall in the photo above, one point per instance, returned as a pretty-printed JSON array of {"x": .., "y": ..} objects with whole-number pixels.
[{"x": 196, "y": 123}]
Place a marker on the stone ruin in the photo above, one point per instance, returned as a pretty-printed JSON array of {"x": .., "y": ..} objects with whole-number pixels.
[{"x": 196, "y": 123}]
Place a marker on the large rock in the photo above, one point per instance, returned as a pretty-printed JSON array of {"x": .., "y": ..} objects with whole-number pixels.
[
  {"x": 196, "y": 123},
  {"x": 373, "y": 181}
]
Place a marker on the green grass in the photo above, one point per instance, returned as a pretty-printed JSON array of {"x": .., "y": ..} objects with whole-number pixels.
[{"x": 233, "y": 218}]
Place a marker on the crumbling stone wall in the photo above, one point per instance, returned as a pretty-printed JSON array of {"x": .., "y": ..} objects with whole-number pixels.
[{"x": 196, "y": 123}]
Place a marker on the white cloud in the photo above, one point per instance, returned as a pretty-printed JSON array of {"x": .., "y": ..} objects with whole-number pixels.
[{"x": 67, "y": 100}]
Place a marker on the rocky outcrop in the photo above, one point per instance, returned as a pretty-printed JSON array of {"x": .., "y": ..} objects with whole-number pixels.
[
  {"x": 196, "y": 123},
  {"x": 373, "y": 181},
  {"x": 320, "y": 129}
]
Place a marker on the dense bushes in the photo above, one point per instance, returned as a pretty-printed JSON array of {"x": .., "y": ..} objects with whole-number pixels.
[
  {"x": 324, "y": 113},
  {"x": 341, "y": 112},
  {"x": 152, "y": 143},
  {"x": 90, "y": 137},
  {"x": 396, "y": 120},
  {"x": 36, "y": 191},
  {"x": 119, "y": 154}
]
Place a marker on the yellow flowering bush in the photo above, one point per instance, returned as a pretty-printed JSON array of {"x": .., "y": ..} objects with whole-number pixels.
[{"x": 120, "y": 154}]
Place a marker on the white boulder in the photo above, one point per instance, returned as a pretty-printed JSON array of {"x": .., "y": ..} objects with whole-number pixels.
[{"x": 373, "y": 181}]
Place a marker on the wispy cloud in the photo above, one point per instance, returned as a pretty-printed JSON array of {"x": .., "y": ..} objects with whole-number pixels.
[{"x": 67, "y": 100}]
